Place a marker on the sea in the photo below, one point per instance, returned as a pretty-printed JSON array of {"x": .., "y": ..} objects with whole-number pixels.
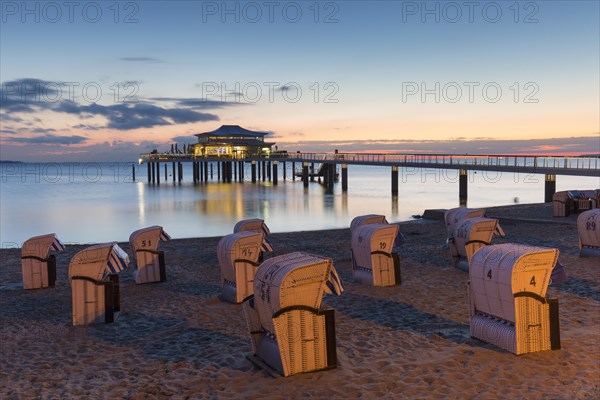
[{"x": 101, "y": 202}]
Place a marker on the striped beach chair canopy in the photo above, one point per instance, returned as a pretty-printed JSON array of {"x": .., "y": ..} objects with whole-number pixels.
[
  {"x": 295, "y": 279},
  {"x": 148, "y": 238},
  {"x": 367, "y": 219},
  {"x": 455, "y": 215},
  {"x": 498, "y": 272},
  {"x": 98, "y": 261},
  {"x": 40, "y": 246},
  {"x": 255, "y": 225}
]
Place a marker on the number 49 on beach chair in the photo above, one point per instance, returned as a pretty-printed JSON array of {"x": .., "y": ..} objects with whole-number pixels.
[{"x": 37, "y": 264}]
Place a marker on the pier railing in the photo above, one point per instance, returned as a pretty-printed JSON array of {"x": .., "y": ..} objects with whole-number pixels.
[{"x": 549, "y": 164}]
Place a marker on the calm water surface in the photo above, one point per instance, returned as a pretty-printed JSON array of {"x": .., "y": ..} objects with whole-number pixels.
[{"x": 96, "y": 202}]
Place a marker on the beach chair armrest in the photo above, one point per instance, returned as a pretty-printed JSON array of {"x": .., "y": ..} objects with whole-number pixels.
[
  {"x": 34, "y": 258},
  {"x": 313, "y": 310}
]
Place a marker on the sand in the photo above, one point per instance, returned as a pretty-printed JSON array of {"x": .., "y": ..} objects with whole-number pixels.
[{"x": 178, "y": 340}]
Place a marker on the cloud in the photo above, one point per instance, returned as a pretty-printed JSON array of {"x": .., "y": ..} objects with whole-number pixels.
[
  {"x": 196, "y": 103},
  {"x": 51, "y": 139},
  {"x": 185, "y": 139},
  {"x": 43, "y": 130},
  {"x": 150, "y": 60},
  {"x": 16, "y": 98}
]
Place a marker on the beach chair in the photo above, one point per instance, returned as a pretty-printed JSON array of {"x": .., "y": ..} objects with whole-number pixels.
[
  {"x": 150, "y": 262},
  {"x": 373, "y": 261},
  {"x": 256, "y": 225},
  {"x": 291, "y": 333},
  {"x": 238, "y": 255},
  {"x": 453, "y": 216},
  {"x": 562, "y": 203},
  {"x": 507, "y": 296},
  {"x": 95, "y": 283},
  {"x": 588, "y": 226},
  {"x": 37, "y": 264},
  {"x": 469, "y": 235},
  {"x": 367, "y": 219}
]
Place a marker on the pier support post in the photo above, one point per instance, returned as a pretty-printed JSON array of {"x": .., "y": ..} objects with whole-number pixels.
[
  {"x": 173, "y": 171},
  {"x": 395, "y": 180},
  {"x": 153, "y": 172},
  {"x": 275, "y": 172},
  {"x": 264, "y": 171},
  {"x": 229, "y": 171},
  {"x": 206, "y": 171},
  {"x": 149, "y": 173},
  {"x": 166, "y": 173},
  {"x": 293, "y": 171},
  {"x": 253, "y": 171},
  {"x": 180, "y": 172},
  {"x": 133, "y": 171},
  {"x": 233, "y": 165},
  {"x": 549, "y": 187},
  {"x": 312, "y": 172},
  {"x": 269, "y": 176},
  {"x": 305, "y": 174},
  {"x": 218, "y": 170},
  {"x": 344, "y": 177},
  {"x": 463, "y": 180},
  {"x": 283, "y": 168}
]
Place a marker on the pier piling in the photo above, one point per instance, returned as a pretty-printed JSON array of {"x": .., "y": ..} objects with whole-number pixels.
[
  {"x": 344, "y": 177},
  {"x": 395, "y": 180},
  {"x": 305, "y": 174},
  {"x": 275, "y": 172},
  {"x": 463, "y": 180},
  {"x": 549, "y": 187}
]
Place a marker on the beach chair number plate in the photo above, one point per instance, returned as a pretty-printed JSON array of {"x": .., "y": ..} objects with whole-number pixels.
[
  {"x": 590, "y": 226},
  {"x": 382, "y": 245},
  {"x": 146, "y": 243}
]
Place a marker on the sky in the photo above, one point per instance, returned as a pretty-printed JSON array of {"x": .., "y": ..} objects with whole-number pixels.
[{"x": 108, "y": 80}]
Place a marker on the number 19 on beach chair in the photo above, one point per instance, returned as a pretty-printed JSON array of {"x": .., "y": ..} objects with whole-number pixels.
[
  {"x": 95, "y": 283},
  {"x": 588, "y": 226},
  {"x": 37, "y": 264},
  {"x": 290, "y": 332},
  {"x": 373, "y": 261},
  {"x": 507, "y": 296},
  {"x": 238, "y": 255},
  {"x": 150, "y": 261}
]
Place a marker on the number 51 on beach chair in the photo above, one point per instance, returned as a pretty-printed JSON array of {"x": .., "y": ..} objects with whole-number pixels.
[{"x": 150, "y": 261}]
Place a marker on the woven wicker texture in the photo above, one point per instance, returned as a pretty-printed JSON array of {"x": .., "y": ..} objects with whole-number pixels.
[{"x": 295, "y": 279}]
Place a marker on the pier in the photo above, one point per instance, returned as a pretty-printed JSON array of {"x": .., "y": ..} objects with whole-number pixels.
[{"x": 308, "y": 166}]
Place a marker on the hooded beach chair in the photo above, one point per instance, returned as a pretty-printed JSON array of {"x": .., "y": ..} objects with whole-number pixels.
[
  {"x": 290, "y": 332},
  {"x": 373, "y": 261},
  {"x": 563, "y": 203},
  {"x": 256, "y": 225},
  {"x": 95, "y": 283},
  {"x": 150, "y": 261},
  {"x": 507, "y": 296},
  {"x": 588, "y": 226},
  {"x": 455, "y": 215},
  {"x": 37, "y": 264},
  {"x": 469, "y": 235},
  {"x": 238, "y": 255}
]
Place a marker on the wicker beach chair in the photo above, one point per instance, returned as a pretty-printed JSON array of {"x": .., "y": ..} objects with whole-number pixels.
[
  {"x": 290, "y": 332},
  {"x": 37, "y": 264},
  {"x": 238, "y": 255},
  {"x": 508, "y": 307},
  {"x": 453, "y": 216},
  {"x": 95, "y": 283},
  {"x": 588, "y": 226},
  {"x": 256, "y": 225},
  {"x": 373, "y": 261},
  {"x": 562, "y": 203},
  {"x": 150, "y": 262},
  {"x": 469, "y": 235}
]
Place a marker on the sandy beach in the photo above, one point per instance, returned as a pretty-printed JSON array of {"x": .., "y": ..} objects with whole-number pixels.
[{"x": 178, "y": 340}]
